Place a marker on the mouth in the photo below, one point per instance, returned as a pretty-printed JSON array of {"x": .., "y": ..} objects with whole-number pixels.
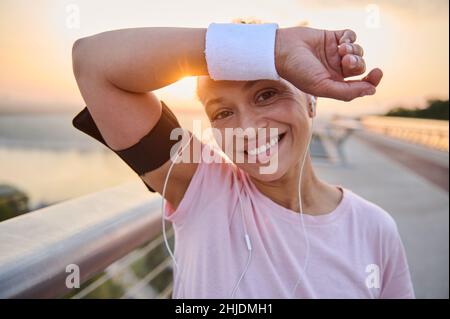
[{"x": 266, "y": 148}]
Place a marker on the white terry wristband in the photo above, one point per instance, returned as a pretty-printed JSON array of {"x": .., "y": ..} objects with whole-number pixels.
[{"x": 241, "y": 52}]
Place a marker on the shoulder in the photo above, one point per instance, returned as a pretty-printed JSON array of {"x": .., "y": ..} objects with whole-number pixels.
[
  {"x": 213, "y": 180},
  {"x": 370, "y": 214},
  {"x": 215, "y": 166}
]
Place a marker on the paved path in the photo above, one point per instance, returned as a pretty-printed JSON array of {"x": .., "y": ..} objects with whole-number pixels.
[{"x": 419, "y": 203}]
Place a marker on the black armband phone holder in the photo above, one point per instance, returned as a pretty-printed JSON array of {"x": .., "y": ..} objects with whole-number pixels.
[{"x": 150, "y": 153}]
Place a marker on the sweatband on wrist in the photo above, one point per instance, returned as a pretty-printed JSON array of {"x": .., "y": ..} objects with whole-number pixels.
[
  {"x": 152, "y": 150},
  {"x": 241, "y": 52}
]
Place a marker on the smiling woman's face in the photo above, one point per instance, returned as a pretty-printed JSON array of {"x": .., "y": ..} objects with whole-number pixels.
[{"x": 254, "y": 105}]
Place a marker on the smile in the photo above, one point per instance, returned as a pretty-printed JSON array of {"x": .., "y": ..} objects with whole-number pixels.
[{"x": 264, "y": 148}]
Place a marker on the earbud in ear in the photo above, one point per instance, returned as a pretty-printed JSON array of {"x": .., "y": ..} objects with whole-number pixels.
[{"x": 313, "y": 105}]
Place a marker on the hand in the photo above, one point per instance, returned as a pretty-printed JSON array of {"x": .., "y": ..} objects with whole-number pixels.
[{"x": 318, "y": 61}]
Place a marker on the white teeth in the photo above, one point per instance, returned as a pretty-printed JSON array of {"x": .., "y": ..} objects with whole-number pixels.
[{"x": 263, "y": 148}]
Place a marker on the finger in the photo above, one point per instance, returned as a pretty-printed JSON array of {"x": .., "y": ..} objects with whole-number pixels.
[
  {"x": 347, "y": 90},
  {"x": 353, "y": 65},
  {"x": 348, "y": 36},
  {"x": 350, "y": 48},
  {"x": 374, "y": 77}
]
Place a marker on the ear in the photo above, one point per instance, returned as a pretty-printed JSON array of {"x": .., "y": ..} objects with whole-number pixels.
[{"x": 312, "y": 106}]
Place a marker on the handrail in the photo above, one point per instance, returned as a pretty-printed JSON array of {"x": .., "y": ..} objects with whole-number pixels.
[
  {"x": 123, "y": 264},
  {"x": 431, "y": 133},
  {"x": 149, "y": 277},
  {"x": 91, "y": 232}
]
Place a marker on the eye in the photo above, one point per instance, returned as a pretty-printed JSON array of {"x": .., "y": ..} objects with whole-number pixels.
[
  {"x": 221, "y": 115},
  {"x": 266, "y": 95}
]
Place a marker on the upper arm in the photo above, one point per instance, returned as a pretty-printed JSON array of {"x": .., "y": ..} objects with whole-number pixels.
[
  {"x": 124, "y": 117},
  {"x": 125, "y": 123}
]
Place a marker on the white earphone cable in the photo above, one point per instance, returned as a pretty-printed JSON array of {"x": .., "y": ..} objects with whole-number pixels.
[
  {"x": 305, "y": 234},
  {"x": 246, "y": 237},
  {"x": 163, "y": 210}
]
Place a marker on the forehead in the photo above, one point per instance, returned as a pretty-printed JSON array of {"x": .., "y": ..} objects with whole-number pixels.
[
  {"x": 208, "y": 88},
  {"x": 206, "y": 84}
]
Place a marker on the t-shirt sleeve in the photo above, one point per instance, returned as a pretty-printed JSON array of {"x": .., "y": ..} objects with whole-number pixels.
[
  {"x": 192, "y": 195},
  {"x": 211, "y": 175},
  {"x": 397, "y": 282}
]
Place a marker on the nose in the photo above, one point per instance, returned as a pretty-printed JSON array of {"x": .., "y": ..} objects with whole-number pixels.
[
  {"x": 255, "y": 128},
  {"x": 252, "y": 120}
]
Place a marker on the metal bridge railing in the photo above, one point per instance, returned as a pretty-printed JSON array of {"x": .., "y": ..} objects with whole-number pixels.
[
  {"x": 431, "y": 133},
  {"x": 101, "y": 235}
]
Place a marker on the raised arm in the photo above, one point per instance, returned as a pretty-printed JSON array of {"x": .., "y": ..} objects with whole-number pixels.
[{"x": 116, "y": 72}]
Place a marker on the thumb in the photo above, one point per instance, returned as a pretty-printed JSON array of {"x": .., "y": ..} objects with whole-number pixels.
[{"x": 347, "y": 90}]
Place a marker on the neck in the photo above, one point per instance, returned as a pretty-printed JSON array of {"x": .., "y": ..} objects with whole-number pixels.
[{"x": 315, "y": 194}]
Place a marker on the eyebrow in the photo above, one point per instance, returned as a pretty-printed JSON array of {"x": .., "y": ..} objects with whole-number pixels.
[
  {"x": 213, "y": 101},
  {"x": 245, "y": 87}
]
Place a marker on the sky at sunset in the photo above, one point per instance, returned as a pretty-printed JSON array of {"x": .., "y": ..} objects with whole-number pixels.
[{"x": 407, "y": 39}]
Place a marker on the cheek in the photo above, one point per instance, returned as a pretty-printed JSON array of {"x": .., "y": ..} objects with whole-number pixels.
[
  {"x": 221, "y": 138},
  {"x": 293, "y": 116}
]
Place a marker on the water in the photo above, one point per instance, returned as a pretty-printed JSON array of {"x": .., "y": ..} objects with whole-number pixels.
[{"x": 50, "y": 160}]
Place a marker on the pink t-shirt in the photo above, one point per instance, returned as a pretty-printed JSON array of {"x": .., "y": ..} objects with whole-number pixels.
[{"x": 355, "y": 250}]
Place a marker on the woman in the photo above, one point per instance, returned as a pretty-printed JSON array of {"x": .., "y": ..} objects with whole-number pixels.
[{"x": 347, "y": 247}]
